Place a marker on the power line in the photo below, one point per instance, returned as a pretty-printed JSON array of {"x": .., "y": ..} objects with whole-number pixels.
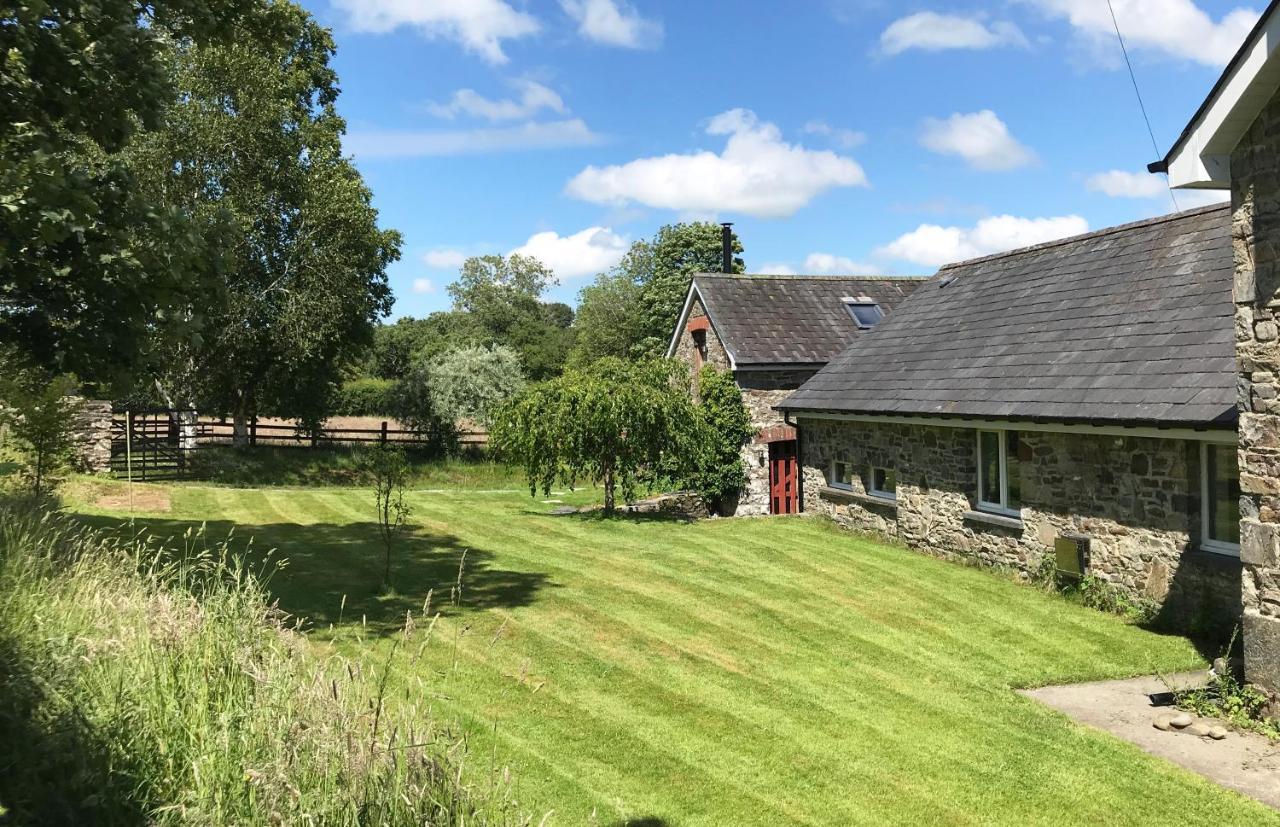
[{"x": 1138, "y": 92}]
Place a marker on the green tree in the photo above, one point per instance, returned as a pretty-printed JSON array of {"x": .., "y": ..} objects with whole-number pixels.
[
  {"x": 505, "y": 296},
  {"x": 631, "y": 310},
  {"x": 398, "y": 347},
  {"x": 678, "y": 251},
  {"x": 89, "y": 262},
  {"x": 39, "y": 412},
  {"x": 611, "y": 424},
  {"x": 473, "y": 383},
  {"x": 255, "y": 138},
  {"x": 386, "y": 468}
]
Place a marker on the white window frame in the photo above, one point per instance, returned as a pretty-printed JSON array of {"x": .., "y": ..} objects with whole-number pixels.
[
  {"x": 1207, "y": 543},
  {"x": 1002, "y": 507},
  {"x": 871, "y": 482},
  {"x": 833, "y": 481}
]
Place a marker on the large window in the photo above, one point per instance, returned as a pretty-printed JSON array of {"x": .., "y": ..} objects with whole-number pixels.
[
  {"x": 999, "y": 483},
  {"x": 1220, "y": 499}
]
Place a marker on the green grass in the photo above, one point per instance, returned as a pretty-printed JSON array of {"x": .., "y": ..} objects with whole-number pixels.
[{"x": 756, "y": 671}]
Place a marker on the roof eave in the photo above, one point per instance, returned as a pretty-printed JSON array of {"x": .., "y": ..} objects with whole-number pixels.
[{"x": 1201, "y": 157}]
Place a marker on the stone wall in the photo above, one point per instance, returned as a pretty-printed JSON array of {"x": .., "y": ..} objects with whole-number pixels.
[
  {"x": 1137, "y": 498},
  {"x": 1255, "y": 201},
  {"x": 687, "y": 350},
  {"x": 92, "y": 435}
]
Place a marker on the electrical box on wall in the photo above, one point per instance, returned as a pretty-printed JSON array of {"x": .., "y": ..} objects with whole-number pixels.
[{"x": 1072, "y": 553}]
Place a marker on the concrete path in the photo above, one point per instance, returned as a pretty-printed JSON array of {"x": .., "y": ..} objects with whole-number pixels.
[{"x": 1245, "y": 762}]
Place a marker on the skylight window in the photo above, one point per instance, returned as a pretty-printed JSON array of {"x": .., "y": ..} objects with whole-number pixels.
[{"x": 864, "y": 311}]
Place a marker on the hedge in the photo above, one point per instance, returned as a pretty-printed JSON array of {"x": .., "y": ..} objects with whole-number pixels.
[{"x": 365, "y": 397}]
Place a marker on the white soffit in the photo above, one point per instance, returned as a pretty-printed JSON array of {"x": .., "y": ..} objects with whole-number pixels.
[{"x": 1202, "y": 159}]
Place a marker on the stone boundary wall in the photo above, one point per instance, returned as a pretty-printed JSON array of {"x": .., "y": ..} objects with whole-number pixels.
[{"x": 1137, "y": 498}]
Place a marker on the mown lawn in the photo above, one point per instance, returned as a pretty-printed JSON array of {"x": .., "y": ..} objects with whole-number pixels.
[{"x": 731, "y": 672}]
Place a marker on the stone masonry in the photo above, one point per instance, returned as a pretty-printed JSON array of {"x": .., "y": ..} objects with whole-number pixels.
[
  {"x": 1255, "y": 201},
  {"x": 761, "y": 390},
  {"x": 92, "y": 436},
  {"x": 1137, "y": 498}
]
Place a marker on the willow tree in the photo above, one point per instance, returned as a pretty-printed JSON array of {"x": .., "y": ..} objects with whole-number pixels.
[
  {"x": 612, "y": 424},
  {"x": 254, "y": 142}
]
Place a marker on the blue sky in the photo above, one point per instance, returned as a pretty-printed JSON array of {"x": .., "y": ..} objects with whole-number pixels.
[{"x": 838, "y": 135}]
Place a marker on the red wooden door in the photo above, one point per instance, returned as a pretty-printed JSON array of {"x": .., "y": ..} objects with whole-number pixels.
[{"x": 784, "y": 493}]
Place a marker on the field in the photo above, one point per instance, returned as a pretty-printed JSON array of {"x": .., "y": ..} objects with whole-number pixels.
[{"x": 765, "y": 671}]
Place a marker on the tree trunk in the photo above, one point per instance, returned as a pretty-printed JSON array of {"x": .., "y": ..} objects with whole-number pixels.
[
  {"x": 608, "y": 491},
  {"x": 240, "y": 427}
]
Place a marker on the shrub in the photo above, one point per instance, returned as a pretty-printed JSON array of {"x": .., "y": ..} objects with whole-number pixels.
[
  {"x": 365, "y": 397},
  {"x": 472, "y": 383},
  {"x": 138, "y": 688},
  {"x": 715, "y": 469},
  {"x": 418, "y": 409},
  {"x": 1240, "y": 704}
]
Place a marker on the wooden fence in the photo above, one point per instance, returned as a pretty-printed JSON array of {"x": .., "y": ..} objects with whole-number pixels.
[{"x": 218, "y": 431}]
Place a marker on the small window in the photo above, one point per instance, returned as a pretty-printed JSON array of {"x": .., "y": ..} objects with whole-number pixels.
[
  {"x": 1220, "y": 499},
  {"x": 883, "y": 482},
  {"x": 841, "y": 475},
  {"x": 999, "y": 480},
  {"x": 864, "y": 312}
]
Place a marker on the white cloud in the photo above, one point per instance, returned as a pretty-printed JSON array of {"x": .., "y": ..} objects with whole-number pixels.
[
  {"x": 1177, "y": 28},
  {"x": 423, "y": 286},
  {"x": 933, "y": 32},
  {"x": 757, "y": 174},
  {"x": 533, "y": 98},
  {"x": 480, "y": 26},
  {"x": 932, "y": 245},
  {"x": 1118, "y": 183},
  {"x": 980, "y": 138},
  {"x": 845, "y": 138},
  {"x": 613, "y": 22},
  {"x": 584, "y": 253},
  {"x": 824, "y": 264},
  {"x": 443, "y": 258},
  {"x": 392, "y": 143}
]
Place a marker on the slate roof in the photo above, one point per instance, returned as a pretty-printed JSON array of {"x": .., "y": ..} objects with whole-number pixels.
[
  {"x": 790, "y": 320},
  {"x": 1129, "y": 325}
]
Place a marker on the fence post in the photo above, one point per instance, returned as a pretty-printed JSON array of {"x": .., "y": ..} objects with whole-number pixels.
[
  {"x": 382, "y": 437},
  {"x": 253, "y": 431}
]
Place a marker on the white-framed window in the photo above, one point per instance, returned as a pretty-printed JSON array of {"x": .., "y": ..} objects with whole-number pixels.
[
  {"x": 864, "y": 311},
  {"x": 999, "y": 482},
  {"x": 882, "y": 482},
  {"x": 1219, "y": 499},
  {"x": 841, "y": 475}
]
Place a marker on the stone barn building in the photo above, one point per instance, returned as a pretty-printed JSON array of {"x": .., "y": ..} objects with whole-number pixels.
[
  {"x": 1082, "y": 390},
  {"x": 1232, "y": 143},
  {"x": 774, "y": 333}
]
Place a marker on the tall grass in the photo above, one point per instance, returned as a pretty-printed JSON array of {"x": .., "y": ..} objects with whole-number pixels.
[{"x": 139, "y": 686}]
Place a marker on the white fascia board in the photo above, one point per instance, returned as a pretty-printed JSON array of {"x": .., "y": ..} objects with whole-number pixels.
[
  {"x": 1221, "y": 436},
  {"x": 684, "y": 318},
  {"x": 1203, "y": 160}
]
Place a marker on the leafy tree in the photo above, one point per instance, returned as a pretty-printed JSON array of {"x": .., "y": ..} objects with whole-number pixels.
[
  {"x": 39, "y": 411},
  {"x": 678, "y": 251},
  {"x": 715, "y": 469},
  {"x": 611, "y": 424},
  {"x": 398, "y": 347},
  {"x": 255, "y": 138},
  {"x": 505, "y": 296},
  {"x": 608, "y": 320},
  {"x": 472, "y": 383},
  {"x": 631, "y": 310},
  {"x": 387, "y": 469},
  {"x": 88, "y": 262},
  {"x": 416, "y": 405}
]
